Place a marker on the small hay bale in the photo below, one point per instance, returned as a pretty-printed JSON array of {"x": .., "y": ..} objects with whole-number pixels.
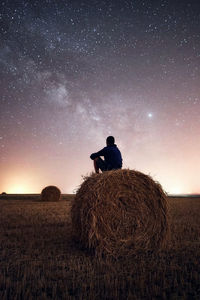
[
  {"x": 120, "y": 212},
  {"x": 50, "y": 193}
]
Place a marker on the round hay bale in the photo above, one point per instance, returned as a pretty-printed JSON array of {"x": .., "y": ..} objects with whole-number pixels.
[
  {"x": 120, "y": 212},
  {"x": 50, "y": 193}
]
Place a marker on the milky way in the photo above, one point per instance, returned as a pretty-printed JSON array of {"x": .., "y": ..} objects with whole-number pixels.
[{"x": 74, "y": 72}]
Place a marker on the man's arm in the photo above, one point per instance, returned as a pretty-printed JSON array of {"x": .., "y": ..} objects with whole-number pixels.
[{"x": 97, "y": 154}]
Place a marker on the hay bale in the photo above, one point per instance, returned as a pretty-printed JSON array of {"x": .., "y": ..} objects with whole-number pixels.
[
  {"x": 120, "y": 212},
  {"x": 50, "y": 193}
]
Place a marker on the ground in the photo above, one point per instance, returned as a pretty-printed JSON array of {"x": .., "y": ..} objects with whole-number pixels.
[{"x": 40, "y": 260}]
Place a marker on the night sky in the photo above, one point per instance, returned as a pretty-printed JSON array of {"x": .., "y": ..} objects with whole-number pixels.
[{"x": 74, "y": 72}]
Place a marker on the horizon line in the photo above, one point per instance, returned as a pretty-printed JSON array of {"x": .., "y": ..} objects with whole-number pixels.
[{"x": 65, "y": 194}]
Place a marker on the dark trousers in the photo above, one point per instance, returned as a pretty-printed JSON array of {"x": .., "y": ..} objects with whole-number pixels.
[{"x": 101, "y": 164}]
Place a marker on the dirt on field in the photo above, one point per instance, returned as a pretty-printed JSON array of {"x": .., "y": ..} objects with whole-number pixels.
[{"x": 40, "y": 260}]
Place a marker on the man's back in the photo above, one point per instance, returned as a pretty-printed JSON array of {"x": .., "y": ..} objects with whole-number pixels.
[{"x": 112, "y": 157}]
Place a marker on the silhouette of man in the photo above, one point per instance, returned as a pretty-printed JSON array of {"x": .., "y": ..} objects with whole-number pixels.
[{"x": 112, "y": 157}]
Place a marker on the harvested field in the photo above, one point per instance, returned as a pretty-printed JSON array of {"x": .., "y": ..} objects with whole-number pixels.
[{"x": 39, "y": 259}]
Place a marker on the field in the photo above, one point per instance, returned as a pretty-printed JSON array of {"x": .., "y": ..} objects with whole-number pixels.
[{"x": 39, "y": 259}]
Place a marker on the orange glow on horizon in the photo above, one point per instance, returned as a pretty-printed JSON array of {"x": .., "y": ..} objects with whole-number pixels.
[
  {"x": 175, "y": 175},
  {"x": 26, "y": 184},
  {"x": 17, "y": 183}
]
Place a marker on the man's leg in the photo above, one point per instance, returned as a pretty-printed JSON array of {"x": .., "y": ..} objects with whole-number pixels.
[
  {"x": 96, "y": 168},
  {"x": 99, "y": 163}
]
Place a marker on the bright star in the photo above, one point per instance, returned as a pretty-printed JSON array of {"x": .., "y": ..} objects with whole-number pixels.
[{"x": 150, "y": 115}]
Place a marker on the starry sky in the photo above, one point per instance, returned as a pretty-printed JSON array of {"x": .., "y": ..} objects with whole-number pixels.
[{"x": 74, "y": 72}]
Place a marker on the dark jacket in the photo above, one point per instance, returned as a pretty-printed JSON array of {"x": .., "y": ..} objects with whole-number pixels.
[{"x": 112, "y": 157}]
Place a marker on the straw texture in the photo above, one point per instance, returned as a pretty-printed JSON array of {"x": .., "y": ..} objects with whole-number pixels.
[
  {"x": 120, "y": 212},
  {"x": 50, "y": 193}
]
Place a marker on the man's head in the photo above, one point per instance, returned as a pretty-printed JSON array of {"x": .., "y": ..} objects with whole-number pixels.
[{"x": 110, "y": 141}]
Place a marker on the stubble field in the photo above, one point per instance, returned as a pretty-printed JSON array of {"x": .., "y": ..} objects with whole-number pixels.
[{"x": 40, "y": 260}]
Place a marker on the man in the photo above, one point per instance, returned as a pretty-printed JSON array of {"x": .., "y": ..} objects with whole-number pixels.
[{"x": 112, "y": 157}]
